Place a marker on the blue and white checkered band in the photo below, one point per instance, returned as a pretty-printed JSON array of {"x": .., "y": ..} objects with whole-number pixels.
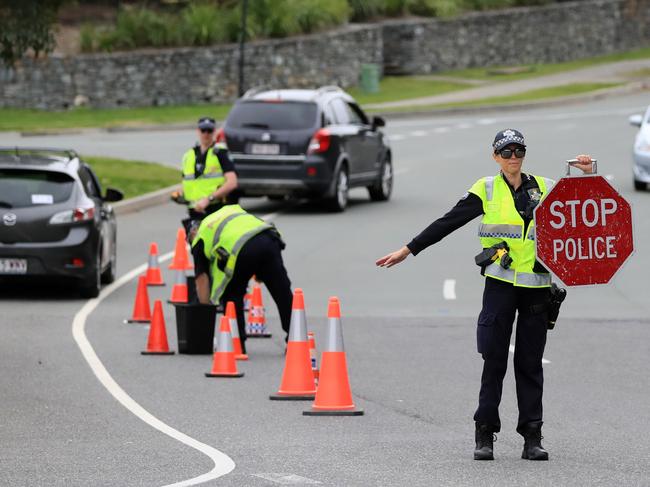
[{"x": 508, "y": 139}]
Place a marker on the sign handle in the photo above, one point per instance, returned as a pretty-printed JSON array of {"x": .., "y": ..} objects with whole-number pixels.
[{"x": 571, "y": 162}]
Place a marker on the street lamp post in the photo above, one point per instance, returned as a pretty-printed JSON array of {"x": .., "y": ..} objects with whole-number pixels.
[{"x": 242, "y": 41}]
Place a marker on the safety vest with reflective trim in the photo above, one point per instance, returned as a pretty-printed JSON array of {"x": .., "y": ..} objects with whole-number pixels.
[
  {"x": 228, "y": 228},
  {"x": 195, "y": 188},
  {"x": 502, "y": 223}
]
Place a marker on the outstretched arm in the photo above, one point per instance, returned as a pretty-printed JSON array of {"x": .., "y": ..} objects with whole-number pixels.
[
  {"x": 393, "y": 258},
  {"x": 468, "y": 208}
]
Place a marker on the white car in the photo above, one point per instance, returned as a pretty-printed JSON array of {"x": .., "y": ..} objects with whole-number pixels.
[{"x": 641, "y": 150}]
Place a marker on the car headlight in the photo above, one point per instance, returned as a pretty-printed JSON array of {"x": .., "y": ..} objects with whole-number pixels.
[{"x": 643, "y": 146}]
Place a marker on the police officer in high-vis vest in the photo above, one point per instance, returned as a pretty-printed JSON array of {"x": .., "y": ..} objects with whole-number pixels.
[
  {"x": 229, "y": 248},
  {"x": 515, "y": 284},
  {"x": 208, "y": 173}
]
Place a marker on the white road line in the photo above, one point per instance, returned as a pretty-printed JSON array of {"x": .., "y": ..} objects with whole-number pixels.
[
  {"x": 223, "y": 464},
  {"x": 286, "y": 478},
  {"x": 396, "y": 137},
  {"x": 512, "y": 350},
  {"x": 463, "y": 125},
  {"x": 449, "y": 289},
  {"x": 440, "y": 130},
  {"x": 419, "y": 133},
  {"x": 401, "y": 170}
]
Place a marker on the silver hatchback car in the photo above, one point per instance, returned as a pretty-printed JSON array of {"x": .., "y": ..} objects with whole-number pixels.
[{"x": 641, "y": 150}]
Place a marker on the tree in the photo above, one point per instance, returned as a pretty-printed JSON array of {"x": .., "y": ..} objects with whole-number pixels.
[{"x": 24, "y": 25}]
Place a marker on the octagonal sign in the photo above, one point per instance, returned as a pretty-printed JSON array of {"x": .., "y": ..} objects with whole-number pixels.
[{"x": 583, "y": 230}]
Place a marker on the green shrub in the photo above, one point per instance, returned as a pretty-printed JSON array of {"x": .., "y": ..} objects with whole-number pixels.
[
  {"x": 362, "y": 10},
  {"x": 490, "y": 4},
  {"x": 313, "y": 15},
  {"x": 141, "y": 27},
  {"x": 87, "y": 37},
  {"x": 203, "y": 24}
]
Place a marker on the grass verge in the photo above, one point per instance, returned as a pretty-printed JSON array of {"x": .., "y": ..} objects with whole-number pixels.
[
  {"x": 26, "y": 120},
  {"x": 133, "y": 178},
  {"x": 395, "y": 88},
  {"x": 535, "y": 70},
  {"x": 526, "y": 96}
]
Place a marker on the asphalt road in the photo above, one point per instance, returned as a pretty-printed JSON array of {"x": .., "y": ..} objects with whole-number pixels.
[{"x": 409, "y": 336}]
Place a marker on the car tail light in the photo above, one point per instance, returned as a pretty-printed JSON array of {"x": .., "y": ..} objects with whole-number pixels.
[
  {"x": 221, "y": 136},
  {"x": 77, "y": 262},
  {"x": 72, "y": 216},
  {"x": 320, "y": 142}
]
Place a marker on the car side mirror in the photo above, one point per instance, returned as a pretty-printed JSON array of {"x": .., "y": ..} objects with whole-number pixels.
[
  {"x": 378, "y": 122},
  {"x": 113, "y": 194},
  {"x": 636, "y": 120}
]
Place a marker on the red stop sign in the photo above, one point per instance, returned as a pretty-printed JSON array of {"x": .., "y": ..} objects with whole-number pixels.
[{"x": 583, "y": 230}]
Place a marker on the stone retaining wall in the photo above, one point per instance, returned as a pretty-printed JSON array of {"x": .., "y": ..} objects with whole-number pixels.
[
  {"x": 548, "y": 34},
  {"x": 190, "y": 75}
]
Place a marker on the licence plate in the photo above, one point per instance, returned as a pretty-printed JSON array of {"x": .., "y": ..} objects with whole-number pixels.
[
  {"x": 13, "y": 266},
  {"x": 265, "y": 149}
]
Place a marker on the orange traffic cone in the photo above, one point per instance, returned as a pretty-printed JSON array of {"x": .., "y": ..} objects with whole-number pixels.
[
  {"x": 154, "y": 276},
  {"x": 141, "y": 308},
  {"x": 313, "y": 356},
  {"x": 224, "y": 363},
  {"x": 157, "y": 341},
  {"x": 297, "y": 378},
  {"x": 256, "y": 320},
  {"x": 179, "y": 290},
  {"x": 333, "y": 397},
  {"x": 181, "y": 259},
  {"x": 234, "y": 329}
]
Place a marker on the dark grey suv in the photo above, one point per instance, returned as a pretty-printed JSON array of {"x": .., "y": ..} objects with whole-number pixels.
[
  {"x": 54, "y": 220},
  {"x": 307, "y": 143}
]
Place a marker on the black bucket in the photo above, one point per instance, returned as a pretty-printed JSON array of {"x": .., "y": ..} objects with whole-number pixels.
[{"x": 195, "y": 327}]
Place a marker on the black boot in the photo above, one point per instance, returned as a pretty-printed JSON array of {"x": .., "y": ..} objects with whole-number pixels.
[
  {"x": 485, "y": 439},
  {"x": 533, "y": 449}
]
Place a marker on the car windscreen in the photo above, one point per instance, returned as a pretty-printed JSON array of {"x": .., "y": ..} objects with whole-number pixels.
[
  {"x": 273, "y": 115},
  {"x": 20, "y": 188}
]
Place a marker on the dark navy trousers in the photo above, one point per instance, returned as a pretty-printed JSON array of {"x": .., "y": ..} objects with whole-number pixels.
[
  {"x": 261, "y": 257},
  {"x": 501, "y": 302}
]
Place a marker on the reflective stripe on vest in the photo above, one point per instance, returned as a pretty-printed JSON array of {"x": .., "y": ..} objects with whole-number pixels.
[
  {"x": 196, "y": 188},
  {"x": 222, "y": 224},
  {"x": 219, "y": 288},
  {"x": 502, "y": 223},
  {"x": 499, "y": 231},
  {"x": 489, "y": 187},
  {"x": 524, "y": 279}
]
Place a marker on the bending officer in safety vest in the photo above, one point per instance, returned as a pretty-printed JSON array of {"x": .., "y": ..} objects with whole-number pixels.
[
  {"x": 209, "y": 177},
  {"x": 230, "y": 247},
  {"x": 515, "y": 283}
]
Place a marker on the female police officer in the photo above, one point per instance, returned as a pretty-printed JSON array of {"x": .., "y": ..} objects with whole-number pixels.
[{"x": 506, "y": 202}]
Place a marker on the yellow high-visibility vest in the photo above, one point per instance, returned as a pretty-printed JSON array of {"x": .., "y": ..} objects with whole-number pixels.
[
  {"x": 223, "y": 234},
  {"x": 195, "y": 188},
  {"x": 502, "y": 223}
]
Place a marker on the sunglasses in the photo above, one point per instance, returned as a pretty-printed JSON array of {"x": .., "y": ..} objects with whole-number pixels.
[
  {"x": 507, "y": 153},
  {"x": 207, "y": 131}
]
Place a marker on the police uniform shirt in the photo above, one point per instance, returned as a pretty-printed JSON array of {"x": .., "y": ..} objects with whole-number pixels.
[
  {"x": 470, "y": 206},
  {"x": 201, "y": 262},
  {"x": 222, "y": 154}
]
